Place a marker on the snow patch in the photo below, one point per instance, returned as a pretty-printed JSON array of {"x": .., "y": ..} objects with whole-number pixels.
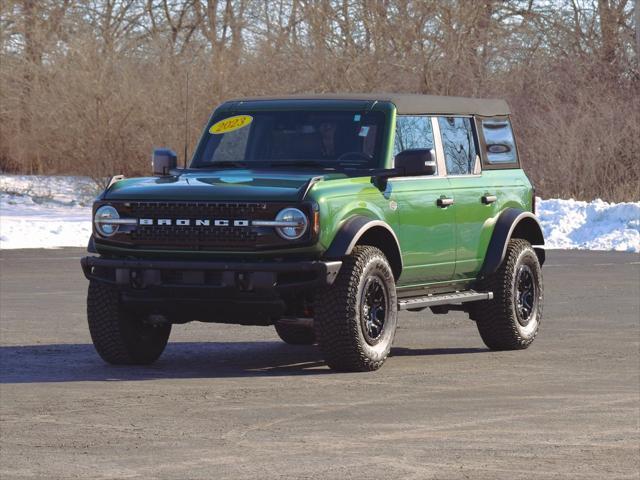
[
  {"x": 45, "y": 211},
  {"x": 597, "y": 225},
  {"x": 55, "y": 211}
]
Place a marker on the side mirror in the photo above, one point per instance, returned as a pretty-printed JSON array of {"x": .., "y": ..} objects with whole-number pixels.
[
  {"x": 163, "y": 161},
  {"x": 416, "y": 162}
]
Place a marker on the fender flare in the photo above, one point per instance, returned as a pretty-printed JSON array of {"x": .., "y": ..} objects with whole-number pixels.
[
  {"x": 353, "y": 229},
  {"x": 524, "y": 224},
  {"x": 91, "y": 247}
]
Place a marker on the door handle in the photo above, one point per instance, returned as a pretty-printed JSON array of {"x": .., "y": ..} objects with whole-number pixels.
[
  {"x": 444, "y": 202},
  {"x": 487, "y": 199}
]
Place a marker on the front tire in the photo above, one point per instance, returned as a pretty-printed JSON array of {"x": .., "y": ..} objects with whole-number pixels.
[
  {"x": 295, "y": 334},
  {"x": 511, "y": 320},
  {"x": 121, "y": 337},
  {"x": 355, "y": 318}
]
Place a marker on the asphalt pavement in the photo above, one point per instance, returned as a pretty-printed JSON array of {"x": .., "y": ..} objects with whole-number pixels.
[{"x": 228, "y": 401}]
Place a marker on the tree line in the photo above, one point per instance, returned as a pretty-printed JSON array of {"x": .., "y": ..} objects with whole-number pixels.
[{"x": 91, "y": 86}]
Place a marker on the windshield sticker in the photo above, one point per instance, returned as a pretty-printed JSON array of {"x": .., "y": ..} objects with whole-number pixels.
[
  {"x": 356, "y": 118},
  {"x": 230, "y": 124},
  {"x": 364, "y": 131}
]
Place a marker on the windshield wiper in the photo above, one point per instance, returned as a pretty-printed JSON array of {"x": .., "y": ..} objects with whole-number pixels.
[{"x": 299, "y": 163}]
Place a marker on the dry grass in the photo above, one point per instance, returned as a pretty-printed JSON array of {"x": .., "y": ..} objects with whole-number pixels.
[{"x": 91, "y": 87}]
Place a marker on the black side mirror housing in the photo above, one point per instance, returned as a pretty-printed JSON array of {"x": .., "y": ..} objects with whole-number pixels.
[
  {"x": 163, "y": 161},
  {"x": 408, "y": 163},
  {"x": 416, "y": 162}
]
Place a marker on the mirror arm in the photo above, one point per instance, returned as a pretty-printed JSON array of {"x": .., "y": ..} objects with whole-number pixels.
[{"x": 380, "y": 177}]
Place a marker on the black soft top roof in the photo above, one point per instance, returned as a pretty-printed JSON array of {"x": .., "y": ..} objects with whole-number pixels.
[{"x": 407, "y": 104}]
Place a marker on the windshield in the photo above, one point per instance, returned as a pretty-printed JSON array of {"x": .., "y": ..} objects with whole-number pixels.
[{"x": 326, "y": 139}]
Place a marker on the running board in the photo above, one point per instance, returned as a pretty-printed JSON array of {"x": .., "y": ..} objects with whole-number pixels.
[{"x": 444, "y": 299}]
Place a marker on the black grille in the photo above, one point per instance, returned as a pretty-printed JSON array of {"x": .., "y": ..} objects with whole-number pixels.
[
  {"x": 200, "y": 237},
  {"x": 170, "y": 234},
  {"x": 197, "y": 210}
]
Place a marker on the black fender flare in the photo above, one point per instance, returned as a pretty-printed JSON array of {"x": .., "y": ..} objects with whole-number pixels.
[
  {"x": 91, "y": 247},
  {"x": 514, "y": 223},
  {"x": 374, "y": 232}
]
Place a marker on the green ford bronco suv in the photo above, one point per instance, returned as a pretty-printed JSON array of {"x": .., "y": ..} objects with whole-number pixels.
[{"x": 323, "y": 215}]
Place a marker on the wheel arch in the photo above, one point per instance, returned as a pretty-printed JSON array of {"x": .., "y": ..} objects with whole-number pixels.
[
  {"x": 361, "y": 230},
  {"x": 512, "y": 223}
]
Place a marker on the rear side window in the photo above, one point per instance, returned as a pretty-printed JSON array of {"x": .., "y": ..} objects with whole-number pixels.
[
  {"x": 458, "y": 141},
  {"x": 412, "y": 132},
  {"x": 498, "y": 138}
]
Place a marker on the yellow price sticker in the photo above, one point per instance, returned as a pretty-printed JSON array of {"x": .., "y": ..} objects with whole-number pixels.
[{"x": 230, "y": 124}]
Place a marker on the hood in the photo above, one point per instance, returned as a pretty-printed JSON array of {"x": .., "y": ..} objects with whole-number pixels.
[{"x": 219, "y": 185}]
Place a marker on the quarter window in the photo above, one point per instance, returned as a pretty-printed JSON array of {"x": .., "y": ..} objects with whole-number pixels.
[
  {"x": 460, "y": 152},
  {"x": 498, "y": 138},
  {"x": 413, "y": 132}
]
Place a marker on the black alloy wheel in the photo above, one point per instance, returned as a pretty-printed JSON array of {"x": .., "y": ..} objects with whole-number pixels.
[
  {"x": 373, "y": 309},
  {"x": 525, "y": 294}
]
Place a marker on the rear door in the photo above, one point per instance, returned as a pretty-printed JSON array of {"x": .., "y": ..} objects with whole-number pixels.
[
  {"x": 474, "y": 200},
  {"x": 426, "y": 224}
]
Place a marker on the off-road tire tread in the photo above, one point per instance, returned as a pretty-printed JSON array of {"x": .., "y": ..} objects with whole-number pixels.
[
  {"x": 336, "y": 306},
  {"x": 495, "y": 318},
  {"x": 104, "y": 315}
]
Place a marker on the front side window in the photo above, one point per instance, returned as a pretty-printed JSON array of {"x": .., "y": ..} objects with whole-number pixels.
[
  {"x": 327, "y": 139},
  {"x": 412, "y": 132},
  {"x": 498, "y": 137},
  {"x": 459, "y": 145}
]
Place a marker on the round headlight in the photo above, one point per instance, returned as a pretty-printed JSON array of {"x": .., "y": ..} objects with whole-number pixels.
[
  {"x": 101, "y": 220},
  {"x": 297, "y": 223}
]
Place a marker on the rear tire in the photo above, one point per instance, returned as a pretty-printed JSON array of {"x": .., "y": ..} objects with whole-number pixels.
[
  {"x": 356, "y": 317},
  {"x": 121, "y": 337},
  {"x": 511, "y": 320},
  {"x": 295, "y": 334}
]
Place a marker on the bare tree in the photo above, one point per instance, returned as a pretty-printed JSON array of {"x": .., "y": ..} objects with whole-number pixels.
[{"x": 90, "y": 86}]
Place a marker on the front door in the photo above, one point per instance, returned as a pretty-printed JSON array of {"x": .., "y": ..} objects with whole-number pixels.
[{"x": 426, "y": 223}]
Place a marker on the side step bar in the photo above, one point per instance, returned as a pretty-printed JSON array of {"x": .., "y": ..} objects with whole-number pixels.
[{"x": 444, "y": 299}]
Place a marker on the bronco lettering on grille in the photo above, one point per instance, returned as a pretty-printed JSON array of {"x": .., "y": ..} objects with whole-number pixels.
[{"x": 199, "y": 222}]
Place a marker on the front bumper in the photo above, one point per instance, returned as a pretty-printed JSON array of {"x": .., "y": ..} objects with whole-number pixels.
[
  {"x": 211, "y": 275},
  {"x": 252, "y": 293}
]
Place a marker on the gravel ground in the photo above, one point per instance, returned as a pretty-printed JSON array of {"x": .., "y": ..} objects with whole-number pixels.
[{"x": 227, "y": 401}]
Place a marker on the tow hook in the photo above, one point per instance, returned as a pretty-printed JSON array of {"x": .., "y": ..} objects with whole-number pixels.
[{"x": 137, "y": 280}]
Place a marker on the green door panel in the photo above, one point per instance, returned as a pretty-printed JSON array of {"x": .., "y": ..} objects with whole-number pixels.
[
  {"x": 474, "y": 222},
  {"x": 426, "y": 232}
]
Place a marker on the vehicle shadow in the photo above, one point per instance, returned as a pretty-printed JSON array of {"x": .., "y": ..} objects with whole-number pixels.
[
  {"x": 416, "y": 352},
  {"x": 181, "y": 360}
]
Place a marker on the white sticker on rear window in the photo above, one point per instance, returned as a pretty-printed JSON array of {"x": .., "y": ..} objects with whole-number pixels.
[{"x": 364, "y": 131}]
